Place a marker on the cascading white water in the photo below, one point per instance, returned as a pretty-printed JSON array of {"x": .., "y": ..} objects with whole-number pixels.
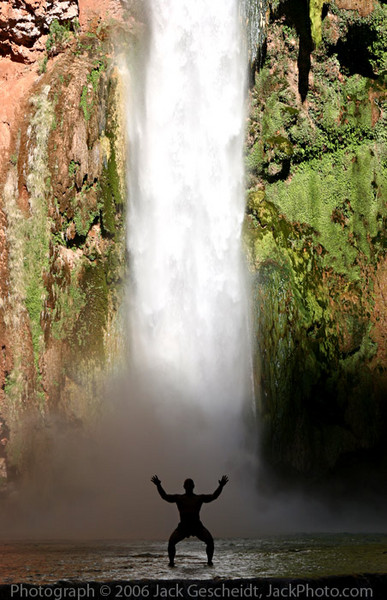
[
  {"x": 188, "y": 312},
  {"x": 190, "y": 376},
  {"x": 254, "y": 12}
]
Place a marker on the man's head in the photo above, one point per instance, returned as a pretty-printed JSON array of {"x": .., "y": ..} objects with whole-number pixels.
[{"x": 189, "y": 485}]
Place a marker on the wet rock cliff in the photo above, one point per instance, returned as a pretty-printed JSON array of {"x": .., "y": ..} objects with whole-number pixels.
[
  {"x": 61, "y": 217},
  {"x": 315, "y": 236}
]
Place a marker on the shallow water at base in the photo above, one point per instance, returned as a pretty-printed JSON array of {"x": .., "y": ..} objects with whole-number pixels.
[{"x": 275, "y": 556}]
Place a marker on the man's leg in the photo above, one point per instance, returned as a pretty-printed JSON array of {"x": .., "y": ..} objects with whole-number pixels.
[
  {"x": 175, "y": 538},
  {"x": 204, "y": 535}
]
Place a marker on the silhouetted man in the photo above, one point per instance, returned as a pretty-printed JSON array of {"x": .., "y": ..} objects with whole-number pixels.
[{"x": 189, "y": 505}]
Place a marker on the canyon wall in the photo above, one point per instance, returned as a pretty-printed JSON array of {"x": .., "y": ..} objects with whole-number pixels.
[
  {"x": 315, "y": 237},
  {"x": 62, "y": 239}
]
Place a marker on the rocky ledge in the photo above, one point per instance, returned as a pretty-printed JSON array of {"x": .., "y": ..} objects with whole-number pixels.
[{"x": 24, "y": 22}]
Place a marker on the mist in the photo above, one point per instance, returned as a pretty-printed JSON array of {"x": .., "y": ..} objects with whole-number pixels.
[{"x": 96, "y": 484}]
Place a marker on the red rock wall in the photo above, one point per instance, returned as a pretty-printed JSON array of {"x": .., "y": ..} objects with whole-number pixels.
[
  {"x": 364, "y": 7},
  {"x": 24, "y": 23},
  {"x": 24, "y": 28}
]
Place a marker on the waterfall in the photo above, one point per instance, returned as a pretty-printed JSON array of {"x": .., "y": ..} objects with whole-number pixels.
[
  {"x": 254, "y": 13},
  {"x": 188, "y": 325}
]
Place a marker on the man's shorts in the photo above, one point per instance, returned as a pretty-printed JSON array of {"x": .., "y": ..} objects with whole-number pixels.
[{"x": 185, "y": 530}]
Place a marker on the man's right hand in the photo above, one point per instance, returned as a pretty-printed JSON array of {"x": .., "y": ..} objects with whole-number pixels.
[{"x": 155, "y": 480}]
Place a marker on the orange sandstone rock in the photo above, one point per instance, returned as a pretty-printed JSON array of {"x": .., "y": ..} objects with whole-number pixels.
[
  {"x": 90, "y": 11},
  {"x": 364, "y": 7}
]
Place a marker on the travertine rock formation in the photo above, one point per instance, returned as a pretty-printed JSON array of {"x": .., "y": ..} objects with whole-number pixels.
[{"x": 24, "y": 23}]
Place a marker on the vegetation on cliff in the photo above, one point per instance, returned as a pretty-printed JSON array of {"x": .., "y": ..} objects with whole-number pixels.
[
  {"x": 65, "y": 202},
  {"x": 315, "y": 234}
]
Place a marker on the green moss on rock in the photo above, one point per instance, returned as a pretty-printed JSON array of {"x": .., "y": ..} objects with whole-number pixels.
[
  {"x": 342, "y": 198},
  {"x": 112, "y": 173},
  {"x": 90, "y": 328},
  {"x": 315, "y": 10},
  {"x": 314, "y": 236}
]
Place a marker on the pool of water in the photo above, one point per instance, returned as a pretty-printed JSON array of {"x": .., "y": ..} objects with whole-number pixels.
[{"x": 270, "y": 556}]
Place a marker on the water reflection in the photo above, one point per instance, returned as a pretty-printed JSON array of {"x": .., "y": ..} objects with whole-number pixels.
[{"x": 279, "y": 556}]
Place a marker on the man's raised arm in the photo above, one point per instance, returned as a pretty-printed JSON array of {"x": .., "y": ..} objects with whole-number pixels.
[
  {"x": 161, "y": 491},
  {"x": 216, "y": 494}
]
